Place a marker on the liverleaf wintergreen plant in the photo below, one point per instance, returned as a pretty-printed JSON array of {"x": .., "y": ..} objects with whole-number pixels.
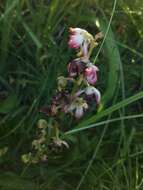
[{"x": 75, "y": 94}]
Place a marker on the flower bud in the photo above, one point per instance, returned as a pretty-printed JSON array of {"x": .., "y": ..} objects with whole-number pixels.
[{"x": 91, "y": 74}]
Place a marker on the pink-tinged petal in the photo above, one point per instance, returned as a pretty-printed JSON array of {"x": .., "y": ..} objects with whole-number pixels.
[
  {"x": 91, "y": 79},
  {"x": 79, "y": 112},
  {"x": 79, "y": 92},
  {"x": 80, "y": 38},
  {"x": 73, "y": 45},
  {"x": 91, "y": 74},
  {"x": 95, "y": 68},
  {"x": 75, "y": 41}
]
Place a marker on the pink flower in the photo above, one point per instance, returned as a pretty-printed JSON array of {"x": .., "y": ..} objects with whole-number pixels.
[
  {"x": 80, "y": 39},
  {"x": 93, "y": 93},
  {"x": 91, "y": 74},
  {"x": 76, "y": 38}
]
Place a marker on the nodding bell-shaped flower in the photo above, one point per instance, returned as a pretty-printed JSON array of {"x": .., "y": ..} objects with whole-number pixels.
[
  {"x": 91, "y": 74},
  {"x": 93, "y": 93},
  {"x": 76, "y": 67},
  {"x": 78, "y": 107},
  {"x": 76, "y": 37},
  {"x": 81, "y": 39}
]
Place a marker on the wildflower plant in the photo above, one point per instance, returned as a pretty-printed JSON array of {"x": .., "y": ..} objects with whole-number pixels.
[{"x": 75, "y": 95}]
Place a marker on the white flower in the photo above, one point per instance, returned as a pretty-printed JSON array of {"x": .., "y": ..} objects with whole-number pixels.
[
  {"x": 79, "y": 106},
  {"x": 93, "y": 92}
]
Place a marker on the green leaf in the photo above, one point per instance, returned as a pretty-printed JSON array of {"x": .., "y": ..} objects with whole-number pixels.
[
  {"x": 106, "y": 112},
  {"x": 8, "y": 104},
  {"x": 11, "y": 181},
  {"x": 32, "y": 35},
  {"x": 113, "y": 60}
]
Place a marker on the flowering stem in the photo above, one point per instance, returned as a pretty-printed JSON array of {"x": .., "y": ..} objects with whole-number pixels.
[
  {"x": 91, "y": 48},
  {"x": 77, "y": 84},
  {"x": 56, "y": 132}
]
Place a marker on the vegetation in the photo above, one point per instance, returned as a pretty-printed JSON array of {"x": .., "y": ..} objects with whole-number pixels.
[{"x": 105, "y": 147}]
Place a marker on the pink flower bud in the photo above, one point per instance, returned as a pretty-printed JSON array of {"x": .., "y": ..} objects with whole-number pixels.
[{"x": 91, "y": 74}]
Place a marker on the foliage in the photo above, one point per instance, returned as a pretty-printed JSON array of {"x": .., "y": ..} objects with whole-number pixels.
[{"x": 33, "y": 53}]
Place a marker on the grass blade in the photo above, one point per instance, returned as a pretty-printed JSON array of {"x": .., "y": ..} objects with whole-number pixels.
[{"x": 100, "y": 115}]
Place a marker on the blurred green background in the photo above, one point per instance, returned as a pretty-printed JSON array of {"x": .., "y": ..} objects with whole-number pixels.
[{"x": 33, "y": 53}]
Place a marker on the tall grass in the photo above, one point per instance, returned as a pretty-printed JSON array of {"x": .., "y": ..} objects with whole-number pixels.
[{"x": 106, "y": 151}]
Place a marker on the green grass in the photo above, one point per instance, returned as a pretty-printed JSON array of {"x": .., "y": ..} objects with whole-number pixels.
[{"x": 106, "y": 148}]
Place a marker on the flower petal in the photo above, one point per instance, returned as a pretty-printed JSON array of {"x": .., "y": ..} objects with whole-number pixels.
[
  {"x": 75, "y": 41},
  {"x": 79, "y": 112},
  {"x": 93, "y": 91},
  {"x": 91, "y": 74},
  {"x": 85, "y": 49}
]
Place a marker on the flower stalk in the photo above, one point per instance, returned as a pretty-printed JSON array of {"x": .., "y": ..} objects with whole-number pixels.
[{"x": 75, "y": 94}]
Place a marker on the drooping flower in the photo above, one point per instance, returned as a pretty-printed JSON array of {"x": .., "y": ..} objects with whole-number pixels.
[
  {"x": 78, "y": 107},
  {"x": 76, "y": 37},
  {"x": 91, "y": 74},
  {"x": 76, "y": 67},
  {"x": 93, "y": 93},
  {"x": 81, "y": 39}
]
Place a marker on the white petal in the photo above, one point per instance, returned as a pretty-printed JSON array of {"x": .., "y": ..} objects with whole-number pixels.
[
  {"x": 85, "y": 48},
  {"x": 78, "y": 30},
  {"x": 79, "y": 112},
  {"x": 92, "y": 90},
  {"x": 98, "y": 96},
  {"x": 96, "y": 68},
  {"x": 85, "y": 106},
  {"x": 78, "y": 39}
]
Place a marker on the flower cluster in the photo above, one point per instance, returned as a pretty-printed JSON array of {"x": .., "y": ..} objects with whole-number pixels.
[
  {"x": 43, "y": 145},
  {"x": 39, "y": 145},
  {"x": 76, "y": 92},
  {"x": 75, "y": 95}
]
